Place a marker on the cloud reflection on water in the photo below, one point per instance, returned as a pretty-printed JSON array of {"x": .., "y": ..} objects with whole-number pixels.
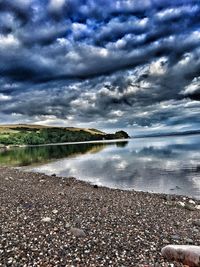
[{"x": 166, "y": 164}]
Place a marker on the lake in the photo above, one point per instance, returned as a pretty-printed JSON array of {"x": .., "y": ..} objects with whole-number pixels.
[{"x": 162, "y": 164}]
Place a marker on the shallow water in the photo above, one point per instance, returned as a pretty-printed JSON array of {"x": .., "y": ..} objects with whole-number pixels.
[{"x": 162, "y": 164}]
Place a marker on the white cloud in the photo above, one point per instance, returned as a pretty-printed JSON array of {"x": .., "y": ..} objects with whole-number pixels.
[
  {"x": 4, "y": 97},
  {"x": 56, "y": 5},
  {"x": 192, "y": 87},
  {"x": 158, "y": 67},
  {"x": 78, "y": 27},
  {"x": 7, "y": 41},
  {"x": 120, "y": 44}
]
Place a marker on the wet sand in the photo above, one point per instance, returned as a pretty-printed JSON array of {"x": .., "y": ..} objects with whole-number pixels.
[{"x": 54, "y": 221}]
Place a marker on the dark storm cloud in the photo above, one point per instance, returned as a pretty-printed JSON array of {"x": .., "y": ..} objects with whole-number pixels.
[
  {"x": 103, "y": 43},
  {"x": 117, "y": 63},
  {"x": 21, "y": 9}
]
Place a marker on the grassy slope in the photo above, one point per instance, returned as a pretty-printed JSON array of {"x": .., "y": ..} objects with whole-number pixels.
[
  {"x": 16, "y": 128},
  {"x": 19, "y": 134}
]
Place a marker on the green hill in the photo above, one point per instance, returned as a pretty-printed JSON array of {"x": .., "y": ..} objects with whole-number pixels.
[{"x": 24, "y": 134}]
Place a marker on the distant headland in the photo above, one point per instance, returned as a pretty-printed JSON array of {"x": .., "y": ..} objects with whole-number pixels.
[{"x": 26, "y": 134}]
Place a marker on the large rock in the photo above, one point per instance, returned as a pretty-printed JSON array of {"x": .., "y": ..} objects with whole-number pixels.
[{"x": 188, "y": 255}]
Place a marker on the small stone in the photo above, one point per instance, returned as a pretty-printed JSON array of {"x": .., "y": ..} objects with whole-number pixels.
[
  {"x": 168, "y": 198},
  {"x": 196, "y": 223},
  {"x": 175, "y": 237},
  {"x": 10, "y": 260},
  {"x": 176, "y": 223},
  {"x": 77, "y": 232},
  {"x": 165, "y": 241},
  {"x": 46, "y": 219},
  {"x": 54, "y": 211},
  {"x": 53, "y": 175},
  {"x": 181, "y": 204},
  {"x": 67, "y": 225},
  {"x": 191, "y": 202},
  {"x": 104, "y": 210},
  {"x": 189, "y": 207},
  {"x": 197, "y": 207},
  {"x": 96, "y": 186},
  {"x": 195, "y": 230}
]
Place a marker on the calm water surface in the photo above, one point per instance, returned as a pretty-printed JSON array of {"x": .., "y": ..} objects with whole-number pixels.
[{"x": 164, "y": 164}]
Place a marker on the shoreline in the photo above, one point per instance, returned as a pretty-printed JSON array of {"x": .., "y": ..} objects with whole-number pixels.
[
  {"x": 55, "y": 221},
  {"x": 6, "y": 147}
]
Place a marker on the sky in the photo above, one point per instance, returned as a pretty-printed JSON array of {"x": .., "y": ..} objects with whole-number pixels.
[{"x": 106, "y": 64}]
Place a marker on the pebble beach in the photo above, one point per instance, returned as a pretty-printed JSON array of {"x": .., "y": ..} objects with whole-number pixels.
[{"x": 51, "y": 221}]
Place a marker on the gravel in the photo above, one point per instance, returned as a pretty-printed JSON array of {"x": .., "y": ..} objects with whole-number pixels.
[{"x": 52, "y": 221}]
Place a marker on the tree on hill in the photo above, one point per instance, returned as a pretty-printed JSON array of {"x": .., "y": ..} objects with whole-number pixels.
[{"x": 121, "y": 135}]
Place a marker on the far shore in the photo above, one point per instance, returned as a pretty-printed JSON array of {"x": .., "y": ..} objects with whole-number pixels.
[
  {"x": 67, "y": 143},
  {"x": 5, "y": 147},
  {"x": 56, "y": 221}
]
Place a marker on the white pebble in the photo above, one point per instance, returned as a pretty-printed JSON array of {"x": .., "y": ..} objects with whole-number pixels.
[
  {"x": 46, "y": 219},
  {"x": 192, "y": 202},
  {"x": 182, "y": 204},
  {"x": 55, "y": 211}
]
